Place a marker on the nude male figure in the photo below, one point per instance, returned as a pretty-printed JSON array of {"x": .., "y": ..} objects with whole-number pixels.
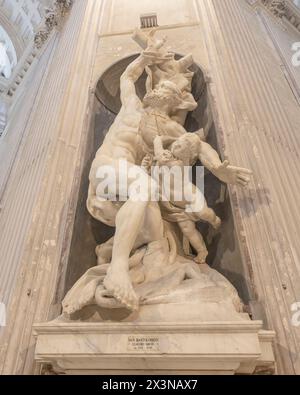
[{"x": 139, "y": 222}]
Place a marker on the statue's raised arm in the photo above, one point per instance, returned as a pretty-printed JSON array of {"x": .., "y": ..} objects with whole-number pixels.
[
  {"x": 151, "y": 55},
  {"x": 130, "y": 76}
]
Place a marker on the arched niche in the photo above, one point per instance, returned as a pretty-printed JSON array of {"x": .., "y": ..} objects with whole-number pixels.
[{"x": 224, "y": 251}]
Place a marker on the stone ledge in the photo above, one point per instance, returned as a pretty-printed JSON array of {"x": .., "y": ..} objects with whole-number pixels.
[{"x": 203, "y": 348}]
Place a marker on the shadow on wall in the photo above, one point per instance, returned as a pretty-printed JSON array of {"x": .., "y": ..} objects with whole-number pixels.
[{"x": 224, "y": 253}]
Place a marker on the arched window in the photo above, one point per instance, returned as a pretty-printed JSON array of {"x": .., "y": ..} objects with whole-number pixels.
[{"x": 8, "y": 56}]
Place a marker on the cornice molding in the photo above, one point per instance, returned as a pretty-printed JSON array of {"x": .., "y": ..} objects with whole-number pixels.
[
  {"x": 54, "y": 18},
  {"x": 276, "y": 7},
  {"x": 284, "y": 10}
]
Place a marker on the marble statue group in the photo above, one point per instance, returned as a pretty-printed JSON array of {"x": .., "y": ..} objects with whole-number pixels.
[{"x": 146, "y": 263}]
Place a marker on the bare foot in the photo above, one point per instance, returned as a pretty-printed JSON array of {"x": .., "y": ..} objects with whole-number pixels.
[
  {"x": 201, "y": 257},
  {"x": 118, "y": 282},
  {"x": 217, "y": 223}
]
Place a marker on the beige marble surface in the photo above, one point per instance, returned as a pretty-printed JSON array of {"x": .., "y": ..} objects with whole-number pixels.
[
  {"x": 248, "y": 86},
  {"x": 202, "y": 347}
]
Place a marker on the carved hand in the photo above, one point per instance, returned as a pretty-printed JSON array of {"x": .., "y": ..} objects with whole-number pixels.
[
  {"x": 155, "y": 42},
  {"x": 157, "y": 57},
  {"x": 233, "y": 175},
  {"x": 147, "y": 163},
  {"x": 154, "y": 51},
  {"x": 164, "y": 157}
]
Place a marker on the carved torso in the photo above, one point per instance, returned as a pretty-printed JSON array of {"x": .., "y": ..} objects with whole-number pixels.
[
  {"x": 153, "y": 124},
  {"x": 132, "y": 135}
]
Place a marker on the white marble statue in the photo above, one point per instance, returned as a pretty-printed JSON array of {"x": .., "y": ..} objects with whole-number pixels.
[{"x": 144, "y": 262}]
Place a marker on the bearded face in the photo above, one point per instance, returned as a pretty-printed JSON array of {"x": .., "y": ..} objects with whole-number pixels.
[
  {"x": 160, "y": 97},
  {"x": 155, "y": 99}
]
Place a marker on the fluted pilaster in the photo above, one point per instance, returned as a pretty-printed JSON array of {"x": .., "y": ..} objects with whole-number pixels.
[{"x": 46, "y": 163}]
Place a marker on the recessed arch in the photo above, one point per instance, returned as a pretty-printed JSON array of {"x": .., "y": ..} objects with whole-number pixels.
[
  {"x": 224, "y": 249},
  {"x": 108, "y": 84}
]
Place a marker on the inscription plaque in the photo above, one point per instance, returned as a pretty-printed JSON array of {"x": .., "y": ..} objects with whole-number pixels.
[{"x": 143, "y": 343}]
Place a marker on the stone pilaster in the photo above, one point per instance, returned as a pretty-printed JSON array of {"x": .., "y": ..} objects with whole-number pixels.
[
  {"x": 56, "y": 132},
  {"x": 255, "y": 102}
]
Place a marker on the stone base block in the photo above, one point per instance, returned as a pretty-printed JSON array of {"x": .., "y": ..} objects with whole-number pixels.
[{"x": 236, "y": 347}]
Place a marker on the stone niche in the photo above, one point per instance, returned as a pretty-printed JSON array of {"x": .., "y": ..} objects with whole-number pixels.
[
  {"x": 96, "y": 342},
  {"x": 224, "y": 251}
]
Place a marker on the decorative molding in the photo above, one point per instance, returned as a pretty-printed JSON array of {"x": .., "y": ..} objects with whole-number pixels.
[
  {"x": 64, "y": 6},
  {"x": 8, "y": 87},
  {"x": 276, "y": 7},
  {"x": 292, "y": 14},
  {"x": 284, "y": 10},
  {"x": 53, "y": 18}
]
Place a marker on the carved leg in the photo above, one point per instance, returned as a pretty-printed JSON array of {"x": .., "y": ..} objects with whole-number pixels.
[
  {"x": 195, "y": 238},
  {"x": 129, "y": 223},
  {"x": 201, "y": 210},
  {"x": 104, "y": 252},
  {"x": 210, "y": 216},
  {"x": 117, "y": 281}
]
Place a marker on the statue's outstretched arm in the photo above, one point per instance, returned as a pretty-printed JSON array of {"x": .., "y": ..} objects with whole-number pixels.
[
  {"x": 223, "y": 171},
  {"x": 209, "y": 157}
]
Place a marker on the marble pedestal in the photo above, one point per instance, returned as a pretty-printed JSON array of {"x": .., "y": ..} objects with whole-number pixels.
[{"x": 233, "y": 347}]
